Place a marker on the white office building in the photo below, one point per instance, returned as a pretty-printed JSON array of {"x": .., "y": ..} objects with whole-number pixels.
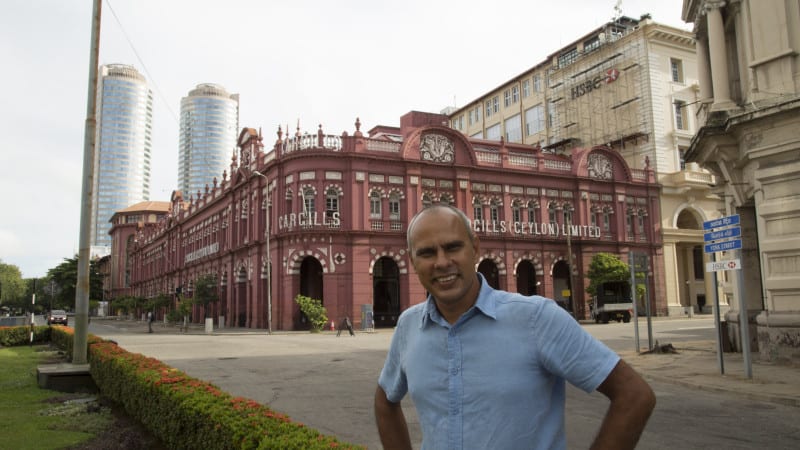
[
  {"x": 208, "y": 131},
  {"x": 122, "y": 147}
]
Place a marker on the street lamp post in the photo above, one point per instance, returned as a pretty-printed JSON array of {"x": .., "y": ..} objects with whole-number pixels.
[
  {"x": 572, "y": 305},
  {"x": 269, "y": 256}
]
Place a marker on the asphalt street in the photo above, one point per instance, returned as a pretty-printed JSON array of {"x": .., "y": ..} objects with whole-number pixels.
[{"x": 328, "y": 382}]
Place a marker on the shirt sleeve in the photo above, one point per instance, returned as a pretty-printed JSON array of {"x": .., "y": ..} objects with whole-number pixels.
[
  {"x": 393, "y": 378},
  {"x": 570, "y": 352}
]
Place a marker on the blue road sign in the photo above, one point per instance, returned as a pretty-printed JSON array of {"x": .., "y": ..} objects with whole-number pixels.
[
  {"x": 723, "y": 234},
  {"x": 721, "y": 222},
  {"x": 723, "y": 246}
]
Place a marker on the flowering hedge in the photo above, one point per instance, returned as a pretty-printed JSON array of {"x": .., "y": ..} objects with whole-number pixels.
[{"x": 187, "y": 413}]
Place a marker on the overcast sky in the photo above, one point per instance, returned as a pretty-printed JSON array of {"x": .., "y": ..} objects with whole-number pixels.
[{"x": 319, "y": 62}]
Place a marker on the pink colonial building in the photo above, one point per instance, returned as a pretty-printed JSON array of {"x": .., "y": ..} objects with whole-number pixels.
[{"x": 325, "y": 216}]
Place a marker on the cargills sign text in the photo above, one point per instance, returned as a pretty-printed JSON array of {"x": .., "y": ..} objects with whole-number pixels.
[
  {"x": 535, "y": 229},
  {"x": 289, "y": 221}
]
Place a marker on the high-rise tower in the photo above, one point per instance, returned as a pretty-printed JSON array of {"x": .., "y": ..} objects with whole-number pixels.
[
  {"x": 209, "y": 125},
  {"x": 122, "y": 147}
]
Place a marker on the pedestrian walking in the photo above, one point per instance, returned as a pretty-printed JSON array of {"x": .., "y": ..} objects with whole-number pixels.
[{"x": 150, "y": 319}]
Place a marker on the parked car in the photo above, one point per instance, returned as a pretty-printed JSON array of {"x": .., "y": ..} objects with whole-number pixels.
[{"x": 57, "y": 317}]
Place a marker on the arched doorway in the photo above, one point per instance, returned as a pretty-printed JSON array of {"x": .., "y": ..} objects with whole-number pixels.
[
  {"x": 526, "y": 278},
  {"x": 241, "y": 297},
  {"x": 386, "y": 292},
  {"x": 310, "y": 286},
  {"x": 561, "y": 283},
  {"x": 488, "y": 269}
]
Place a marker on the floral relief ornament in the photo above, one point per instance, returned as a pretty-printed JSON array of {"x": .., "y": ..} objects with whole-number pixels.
[
  {"x": 437, "y": 148},
  {"x": 599, "y": 167}
]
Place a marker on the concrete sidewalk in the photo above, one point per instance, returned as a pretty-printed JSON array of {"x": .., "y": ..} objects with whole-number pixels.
[{"x": 696, "y": 365}]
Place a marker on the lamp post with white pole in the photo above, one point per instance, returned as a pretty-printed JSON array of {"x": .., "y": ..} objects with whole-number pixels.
[{"x": 267, "y": 250}]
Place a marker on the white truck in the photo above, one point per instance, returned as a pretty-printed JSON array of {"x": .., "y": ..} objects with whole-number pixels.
[{"x": 612, "y": 302}]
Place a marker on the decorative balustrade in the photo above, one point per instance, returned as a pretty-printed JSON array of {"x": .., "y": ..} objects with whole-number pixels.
[
  {"x": 383, "y": 146},
  {"x": 312, "y": 142},
  {"x": 557, "y": 165},
  {"x": 486, "y": 157},
  {"x": 639, "y": 174},
  {"x": 518, "y": 159}
]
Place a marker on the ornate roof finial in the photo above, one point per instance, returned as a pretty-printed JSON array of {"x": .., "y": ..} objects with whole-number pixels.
[
  {"x": 358, "y": 128},
  {"x": 297, "y": 133}
]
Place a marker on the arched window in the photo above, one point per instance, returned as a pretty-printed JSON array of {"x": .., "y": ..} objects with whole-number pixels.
[
  {"x": 394, "y": 206},
  {"x": 607, "y": 220},
  {"x": 494, "y": 211},
  {"x": 426, "y": 201},
  {"x": 551, "y": 211},
  {"x": 516, "y": 212},
  {"x": 375, "y": 205},
  {"x": 532, "y": 207},
  {"x": 309, "y": 206},
  {"x": 446, "y": 199},
  {"x": 331, "y": 202},
  {"x": 568, "y": 213},
  {"x": 477, "y": 209}
]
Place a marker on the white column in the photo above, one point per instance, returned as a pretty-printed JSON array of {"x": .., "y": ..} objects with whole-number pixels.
[
  {"x": 703, "y": 71},
  {"x": 716, "y": 51}
]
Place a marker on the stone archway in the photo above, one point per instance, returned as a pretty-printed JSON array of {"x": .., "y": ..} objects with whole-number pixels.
[
  {"x": 561, "y": 283},
  {"x": 311, "y": 285},
  {"x": 386, "y": 292},
  {"x": 488, "y": 268},
  {"x": 526, "y": 278}
]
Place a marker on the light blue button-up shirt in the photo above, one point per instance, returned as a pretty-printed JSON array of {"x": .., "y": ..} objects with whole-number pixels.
[{"x": 495, "y": 378}]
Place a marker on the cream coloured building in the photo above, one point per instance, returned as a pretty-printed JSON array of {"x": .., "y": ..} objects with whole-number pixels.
[
  {"x": 631, "y": 85},
  {"x": 749, "y": 117}
]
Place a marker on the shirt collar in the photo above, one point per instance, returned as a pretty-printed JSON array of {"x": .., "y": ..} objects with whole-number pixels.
[{"x": 485, "y": 304}]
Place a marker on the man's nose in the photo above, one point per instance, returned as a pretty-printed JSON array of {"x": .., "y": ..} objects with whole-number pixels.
[{"x": 442, "y": 259}]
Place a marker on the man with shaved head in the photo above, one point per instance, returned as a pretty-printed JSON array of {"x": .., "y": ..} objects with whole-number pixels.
[{"x": 486, "y": 368}]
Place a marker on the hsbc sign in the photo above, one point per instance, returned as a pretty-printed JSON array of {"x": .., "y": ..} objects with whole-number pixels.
[{"x": 595, "y": 83}]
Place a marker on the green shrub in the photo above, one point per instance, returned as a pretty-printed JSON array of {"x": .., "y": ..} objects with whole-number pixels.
[
  {"x": 313, "y": 309},
  {"x": 184, "y": 412}
]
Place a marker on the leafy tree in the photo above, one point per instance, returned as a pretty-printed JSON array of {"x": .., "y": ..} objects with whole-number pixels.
[
  {"x": 66, "y": 275},
  {"x": 12, "y": 287},
  {"x": 313, "y": 309},
  {"x": 157, "y": 302},
  {"x": 205, "y": 291},
  {"x": 604, "y": 268}
]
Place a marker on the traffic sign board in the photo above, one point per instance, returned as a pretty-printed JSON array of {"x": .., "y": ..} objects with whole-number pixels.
[
  {"x": 716, "y": 266},
  {"x": 723, "y": 234},
  {"x": 723, "y": 246},
  {"x": 721, "y": 222}
]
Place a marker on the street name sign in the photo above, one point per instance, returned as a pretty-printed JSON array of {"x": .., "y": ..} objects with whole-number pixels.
[
  {"x": 721, "y": 222},
  {"x": 716, "y": 266},
  {"x": 723, "y": 234},
  {"x": 723, "y": 246}
]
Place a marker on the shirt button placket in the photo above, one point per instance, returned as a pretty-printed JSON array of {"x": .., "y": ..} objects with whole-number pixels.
[{"x": 455, "y": 390}]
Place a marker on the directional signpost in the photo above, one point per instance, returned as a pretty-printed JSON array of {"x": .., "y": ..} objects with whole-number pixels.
[{"x": 722, "y": 235}]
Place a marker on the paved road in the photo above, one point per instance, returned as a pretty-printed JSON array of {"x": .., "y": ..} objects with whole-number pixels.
[{"x": 328, "y": 383}]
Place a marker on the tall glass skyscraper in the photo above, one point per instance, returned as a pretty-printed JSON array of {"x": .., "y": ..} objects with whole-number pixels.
[
  {"x": 122, "y": 147},
  {"x": 209, "y": 125}
]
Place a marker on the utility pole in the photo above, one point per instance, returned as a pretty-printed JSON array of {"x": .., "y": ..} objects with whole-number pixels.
[{"x": 81, "y": 335}]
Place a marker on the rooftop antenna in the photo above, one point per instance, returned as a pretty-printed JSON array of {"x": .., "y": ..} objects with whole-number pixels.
[{"x": 618, "y": 10}]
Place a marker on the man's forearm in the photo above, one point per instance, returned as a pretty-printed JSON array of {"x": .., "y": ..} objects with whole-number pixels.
[
  {"x": 632, "y": 402},
  {"x": 392, "y": 426}
]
